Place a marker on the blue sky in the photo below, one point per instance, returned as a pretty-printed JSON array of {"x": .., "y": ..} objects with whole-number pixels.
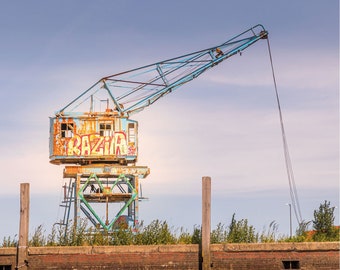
[{"x": 224, "y": 124}]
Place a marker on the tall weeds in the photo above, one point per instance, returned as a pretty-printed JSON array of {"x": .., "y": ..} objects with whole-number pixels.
[{"x": 156, "y": 233}]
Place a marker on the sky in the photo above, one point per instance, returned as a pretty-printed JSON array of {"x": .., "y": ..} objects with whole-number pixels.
[{"x": 224, "y": 124}]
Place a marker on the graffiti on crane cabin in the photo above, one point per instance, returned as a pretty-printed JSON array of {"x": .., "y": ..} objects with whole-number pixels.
[
  {"x": 90, "y": 139},
  {"x": 96, "y": 145}
]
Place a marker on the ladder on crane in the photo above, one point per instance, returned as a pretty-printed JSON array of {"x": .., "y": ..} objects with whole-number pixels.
[{"x": 66, "y": 203}]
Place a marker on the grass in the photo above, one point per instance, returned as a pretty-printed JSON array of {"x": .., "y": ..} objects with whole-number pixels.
[{"x": 158, "y": 233}]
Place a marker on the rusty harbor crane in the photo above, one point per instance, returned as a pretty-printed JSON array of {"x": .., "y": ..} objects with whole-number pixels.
[{"x": 94, "y": 137}]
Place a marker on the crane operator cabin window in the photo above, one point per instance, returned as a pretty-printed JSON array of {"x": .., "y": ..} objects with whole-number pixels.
[
  {"x": 105, "y": 129},
  {"x": 132, "y": 132},
  {"x": 67, "y": 130}
]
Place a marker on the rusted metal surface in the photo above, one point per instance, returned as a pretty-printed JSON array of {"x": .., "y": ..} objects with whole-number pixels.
[
  {"x": 103, "y": 170},
  {"x": 93, "y": 138},
  {"x": 102, "y": 198}
]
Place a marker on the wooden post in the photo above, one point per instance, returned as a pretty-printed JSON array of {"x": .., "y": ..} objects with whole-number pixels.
[
  {"x": 23, "y": 227},
  {"x": 206, "y": 222},
  {"x": 76, "y": 221}
]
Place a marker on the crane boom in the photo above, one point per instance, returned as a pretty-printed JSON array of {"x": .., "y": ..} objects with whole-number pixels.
[{"x": 133, "y": 90}]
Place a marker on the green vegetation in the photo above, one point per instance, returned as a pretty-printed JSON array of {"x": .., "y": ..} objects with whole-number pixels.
[
  {"x": 323, "y": 223},
  {"x": 160, "y": 233}
]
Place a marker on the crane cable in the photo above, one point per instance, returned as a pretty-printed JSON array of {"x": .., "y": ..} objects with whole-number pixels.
[{"x": 292, "y": 186}]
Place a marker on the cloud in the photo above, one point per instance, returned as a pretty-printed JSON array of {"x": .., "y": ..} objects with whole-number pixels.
[
  {"x": 242, "y": 149},
  {"x": 220, "y": 125},
  {"x": 305, "y": 70}
]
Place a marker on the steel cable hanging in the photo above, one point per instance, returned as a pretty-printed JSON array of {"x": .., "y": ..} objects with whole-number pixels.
[{"x": 292, "y": 186}]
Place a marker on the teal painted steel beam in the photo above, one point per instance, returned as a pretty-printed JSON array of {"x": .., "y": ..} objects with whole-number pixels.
[{"x": 121, "y": 179}]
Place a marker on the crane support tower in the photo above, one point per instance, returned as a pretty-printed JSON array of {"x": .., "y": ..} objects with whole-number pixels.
[{"x": 94, "y": 137}]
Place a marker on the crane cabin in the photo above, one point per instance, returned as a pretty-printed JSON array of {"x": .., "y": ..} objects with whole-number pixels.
[{"x": 92, "y": 138}]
